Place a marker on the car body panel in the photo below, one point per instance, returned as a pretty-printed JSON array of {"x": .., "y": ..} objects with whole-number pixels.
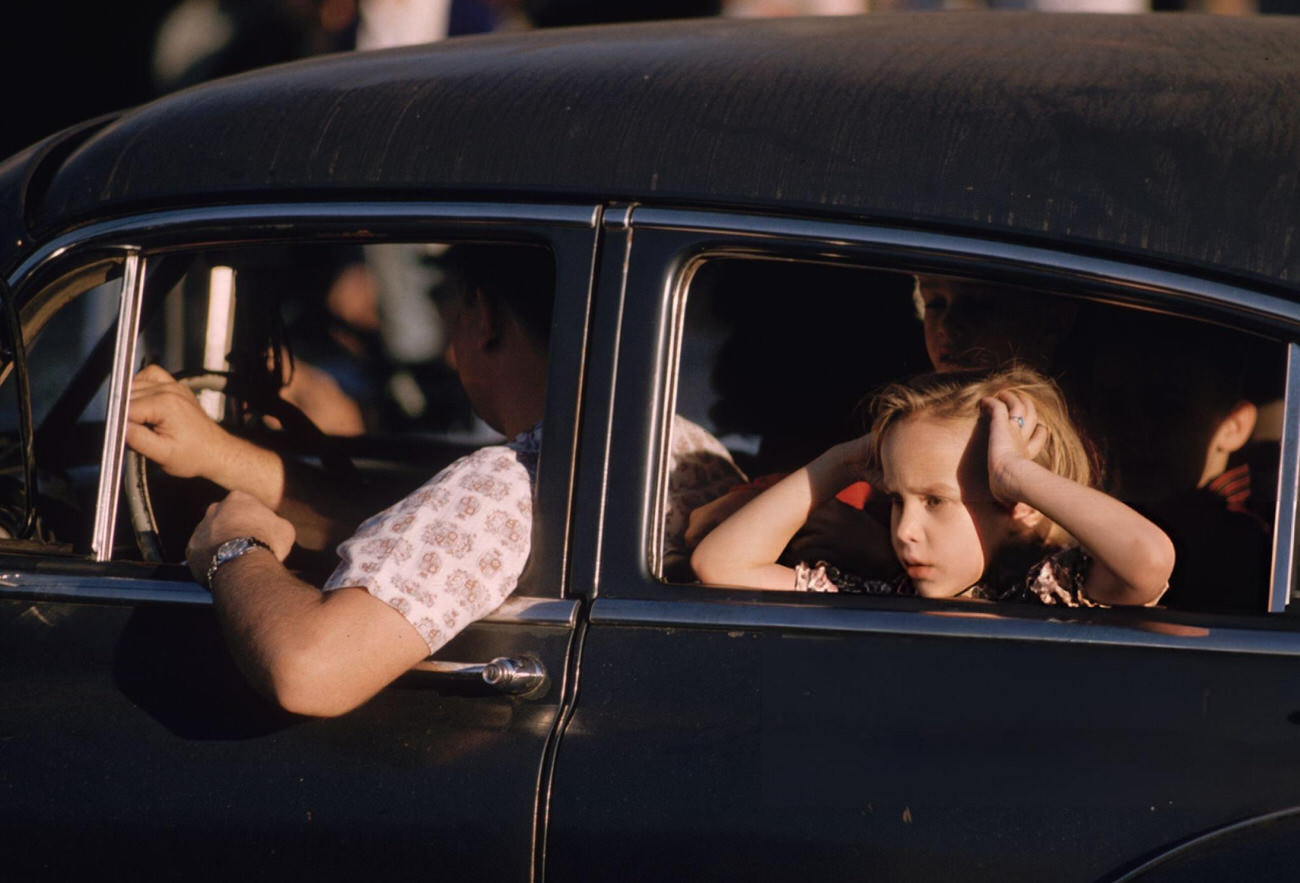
[
  {"x": 134, "y": 743},
  {"x": 820, "y": 752},
  {"x": 821, "y": 737}
]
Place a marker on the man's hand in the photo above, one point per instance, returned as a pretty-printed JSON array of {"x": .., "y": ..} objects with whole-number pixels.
[
  {"x": 238, "y": 515},
  {"x": 168, "y": 426}
]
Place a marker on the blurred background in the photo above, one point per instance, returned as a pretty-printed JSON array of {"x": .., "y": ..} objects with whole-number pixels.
[{"x": 69, "y": 60}]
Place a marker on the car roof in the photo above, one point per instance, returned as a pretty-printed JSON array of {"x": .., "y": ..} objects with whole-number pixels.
[{"x": 1173, "y": 138}]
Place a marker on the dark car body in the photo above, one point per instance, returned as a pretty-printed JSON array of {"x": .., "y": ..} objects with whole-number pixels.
[{"x": 1146, "y": 164}]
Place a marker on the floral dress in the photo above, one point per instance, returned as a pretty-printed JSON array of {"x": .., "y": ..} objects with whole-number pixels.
[{"x": 1056, "y": 579}]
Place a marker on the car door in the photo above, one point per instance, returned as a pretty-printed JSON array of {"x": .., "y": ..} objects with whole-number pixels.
[
  {"x": 731, "y": 734},
  {"x": 131, "y": 745}
]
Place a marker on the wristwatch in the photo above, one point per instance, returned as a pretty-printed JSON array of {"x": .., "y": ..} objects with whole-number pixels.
[{"x": 229, "y": 551}]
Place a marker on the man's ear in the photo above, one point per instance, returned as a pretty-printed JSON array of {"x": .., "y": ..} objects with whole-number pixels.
[
  {"x": 1236, "y": 428},
  {"x": 484, "y": 320}
]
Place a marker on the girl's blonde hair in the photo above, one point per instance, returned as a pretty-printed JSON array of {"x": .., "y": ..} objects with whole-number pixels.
[{"x": 957, "y": 394}]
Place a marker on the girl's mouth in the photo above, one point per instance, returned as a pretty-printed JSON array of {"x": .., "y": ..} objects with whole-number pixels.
[{"x": 919, "y": 571}]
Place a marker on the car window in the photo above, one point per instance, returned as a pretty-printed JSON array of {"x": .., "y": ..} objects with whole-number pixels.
[
  {"x": 331, "y": 354},
  {"x": 68, "y": 325},
  {"x": 1179, "y": 419}
]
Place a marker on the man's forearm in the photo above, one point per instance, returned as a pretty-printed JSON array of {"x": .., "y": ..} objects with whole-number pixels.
[
  {"x": 312, "y": 652},
  {"x": 324, "y": 508}
]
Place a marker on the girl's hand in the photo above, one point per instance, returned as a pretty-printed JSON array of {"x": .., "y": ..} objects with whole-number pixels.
[
  {"x": 1015, "y": 439},
  {"x": 857, "y": 458}
]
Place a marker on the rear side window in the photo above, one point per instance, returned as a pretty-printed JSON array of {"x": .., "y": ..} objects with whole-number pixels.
[{"x": 1179, "y": 419}]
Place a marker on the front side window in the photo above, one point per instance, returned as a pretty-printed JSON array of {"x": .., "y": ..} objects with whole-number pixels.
[
  {"x": 337, "y": 357},
  {"x": 68, "y": 332},
  {"x": 342, "y": 358}
]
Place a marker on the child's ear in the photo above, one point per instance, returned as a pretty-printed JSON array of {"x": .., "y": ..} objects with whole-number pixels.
[
  {"x": 1235, "y": 429},
  {"x": 1026, "y": 519}
]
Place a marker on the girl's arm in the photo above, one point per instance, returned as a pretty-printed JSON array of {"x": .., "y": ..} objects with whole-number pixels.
[
  {"x": 1132, "y": 558},
  {"x": 743, "y": 549}
]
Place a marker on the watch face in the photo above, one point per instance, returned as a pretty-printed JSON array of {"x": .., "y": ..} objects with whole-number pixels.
[
  {"x": 230, "y": 550},
  {"x": 233, "y": 549}
]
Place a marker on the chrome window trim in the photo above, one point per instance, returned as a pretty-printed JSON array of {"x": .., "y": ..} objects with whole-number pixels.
[
  {"x": 905, "y": 244},
  {"x": 1282, "y": 586},
  {"x": 823, "y": 620},
  {"x": 88, "y": 588},
  {"x": 279, "y": 220},
  {"x": 110, "y": 464},
  {"x": 1142, "y": 284}
]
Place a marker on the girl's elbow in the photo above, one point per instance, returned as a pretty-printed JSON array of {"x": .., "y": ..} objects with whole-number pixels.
[
  {"x": 706, "y": 566},
  {"x": 1161, "y": 568},
  {"x": 1154, "y": 579}
]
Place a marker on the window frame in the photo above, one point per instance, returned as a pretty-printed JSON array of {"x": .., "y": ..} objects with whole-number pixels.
[
  {"x": 665, "y": 246},
  {"x": 567, "y": 229}
]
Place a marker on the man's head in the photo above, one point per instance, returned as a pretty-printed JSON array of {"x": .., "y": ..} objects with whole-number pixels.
[{"x": 496, "y": 301}]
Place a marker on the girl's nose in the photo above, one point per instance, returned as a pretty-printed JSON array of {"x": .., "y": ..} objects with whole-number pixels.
[{"x": 906, "y": 525}]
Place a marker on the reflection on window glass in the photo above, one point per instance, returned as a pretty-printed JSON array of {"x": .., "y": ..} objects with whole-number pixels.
[
  {"x": 335, "y": 357},
  {"x": 354, "y": 332},
  {"x": 67, "y": 325},
  {"x": 782, "y": 361},
  {"x": 65, "y": 343}
]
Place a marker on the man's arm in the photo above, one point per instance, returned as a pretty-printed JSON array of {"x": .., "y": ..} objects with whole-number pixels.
[
  {"x": 168, "y": 426},
  {"x": 312, "y": 652}
]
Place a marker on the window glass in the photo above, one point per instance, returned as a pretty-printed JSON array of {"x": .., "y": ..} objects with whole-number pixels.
[
  {"x": 68, "y": 329},
  {"x": 780, "y": 361},
  {"x": 333, "y": 355}
]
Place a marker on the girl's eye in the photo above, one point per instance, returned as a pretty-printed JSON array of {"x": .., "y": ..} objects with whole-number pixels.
[
  {"x": 895, "y": 501},
  {"x": 933, "y": 502}
]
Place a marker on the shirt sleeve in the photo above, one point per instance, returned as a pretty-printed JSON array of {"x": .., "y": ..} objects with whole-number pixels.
[
  {"x": 700, "y": 470},
  {"x": 449, "y": 553}
]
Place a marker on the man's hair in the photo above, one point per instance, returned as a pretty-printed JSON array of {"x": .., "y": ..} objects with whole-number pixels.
[{"x": 511, "y": 276}]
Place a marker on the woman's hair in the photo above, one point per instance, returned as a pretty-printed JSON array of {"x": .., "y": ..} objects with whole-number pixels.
[{"x": 957, "y": 394}]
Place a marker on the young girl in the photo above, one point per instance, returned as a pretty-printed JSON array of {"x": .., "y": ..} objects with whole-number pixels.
[{"x": 991, "y": 498}]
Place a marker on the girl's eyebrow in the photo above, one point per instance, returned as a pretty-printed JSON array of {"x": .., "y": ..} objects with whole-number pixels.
[{"x": 931, "y": 490}]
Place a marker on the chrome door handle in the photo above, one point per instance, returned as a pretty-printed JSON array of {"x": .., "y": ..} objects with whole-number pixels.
[{"x": 513, "y": 675}]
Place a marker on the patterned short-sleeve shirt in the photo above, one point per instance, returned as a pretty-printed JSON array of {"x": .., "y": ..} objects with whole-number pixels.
[
  {"x": 452, "y": 551},
  {"x": 700, "y": 470}
]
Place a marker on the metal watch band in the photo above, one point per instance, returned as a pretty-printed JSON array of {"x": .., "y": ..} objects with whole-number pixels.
[{"x": 229, "y": 551}]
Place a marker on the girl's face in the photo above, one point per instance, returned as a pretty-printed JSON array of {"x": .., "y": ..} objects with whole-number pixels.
[{"x": 944, "y": 522}]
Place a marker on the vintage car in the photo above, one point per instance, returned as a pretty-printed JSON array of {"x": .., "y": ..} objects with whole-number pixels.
[{"x": 737, "y": 213}]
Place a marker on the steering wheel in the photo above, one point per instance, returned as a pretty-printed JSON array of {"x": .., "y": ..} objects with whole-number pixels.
[{"x": 135, "y": 483}]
